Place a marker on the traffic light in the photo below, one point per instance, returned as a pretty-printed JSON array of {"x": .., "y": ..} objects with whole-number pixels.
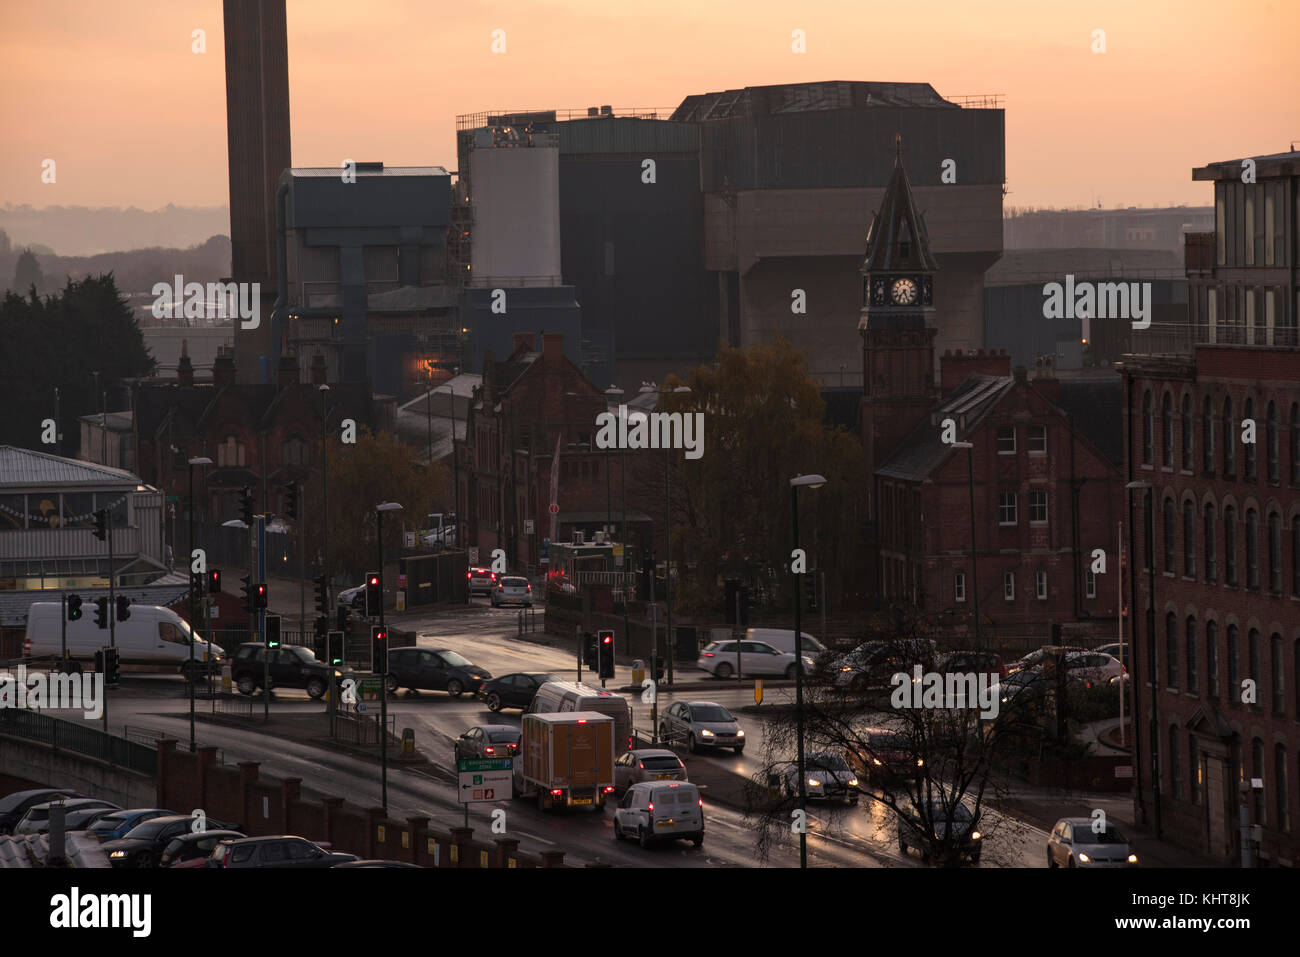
[
  {"x": 111, "y": 666},
  {"x": 372, "y": 593},
  {"x": 101, "y": 524},
  {"x": 74, "y": 608},
  {"x": 247, "y": 589},
  {"x": 123, "y": 608},
  {"x": 379, "y": 649},
  {"x": 259, "y": 595},
  {"x": 101, "y": 612},
  {"x": 291, "y": 500},
  {"x": 606, "y": 653},
  {"x": 196, "y": 583},
  {"x": 246, "y": 505},
  {"x": 589, "y": 650},
  {"x": 272, "y": 631},
  {"x": 214, "y": 581},
  {"x": 334, "y": 647},
  {"x": 323, "y": 594}
]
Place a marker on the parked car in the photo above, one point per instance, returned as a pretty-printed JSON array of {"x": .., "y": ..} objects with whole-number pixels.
[
  {"x": 1089, "y": 667},
  {"x": 279, "y": 851},
  {"x": 647, "y": 764},
  {"x": 701, "y": 724},
  {"x": 1035, "y": 659},
  {"x": 829, "y": 778},
  {"x": 756, "y": 658},
  {"x": 1020, "y": 689},
  {"x": 112, "y": 826},
  {"x": 885, "y": 757},
  {"x": 14, "y": 806},
  {"x": 914, "y": 829},
  {"x": 1116, "y": 650},
  {"x": 292, "y": 666},
  {"x": 870, "y": 667},
  {"x": 353, "y": 598},
  {"x": 144, "y": 844},
  {"x": 481, "y": 580},
  {"x": 512, "y": 590},
  {"x": 1078, "y": 842},
  {"x": 37, "y": 818},
  {"x": 81, "y": 820},
  {"x": 441, "y": 669},
  {"x": 660, "y": 810},
  {"x": 511, "y": 691},
  {"x": 972, "y": 662},
  {"x": 488, "y": 741},
  {"x": 191, "y": 850}
]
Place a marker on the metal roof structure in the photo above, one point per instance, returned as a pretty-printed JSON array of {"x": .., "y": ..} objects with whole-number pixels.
[
  {"x": 753, "y": 101},
  {"x": 25, "y": 468}
]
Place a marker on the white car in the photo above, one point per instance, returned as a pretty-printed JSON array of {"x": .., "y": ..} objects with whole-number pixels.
[
  {"x": 756, "y": 658},
  {"x": 1079, "y": 842},
  {"x": 512, "y": 590},
  {"x": 660, "y": 810}
]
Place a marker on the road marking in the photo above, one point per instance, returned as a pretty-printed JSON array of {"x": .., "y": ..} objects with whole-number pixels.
[{"x": 534, "y": 837}]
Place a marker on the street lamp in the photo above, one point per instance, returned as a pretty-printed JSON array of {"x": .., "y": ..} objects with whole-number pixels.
[
  {"x": 974, "y": 573},
  {"x": 615, "y": 394},
  {"x": 383, "y": 670},
  {"x": 199, "y": 460},
  {"x": 455, "y": 463},
  {"x": 324, "y": 390},
  {"x": 796, "y": 483},
  {"x": 1149, "y": 488}
]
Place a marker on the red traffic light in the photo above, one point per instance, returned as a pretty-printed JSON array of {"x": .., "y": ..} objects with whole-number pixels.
[
  {"x": 380, "y": 634},
  {"x": 374, "y": 581}
]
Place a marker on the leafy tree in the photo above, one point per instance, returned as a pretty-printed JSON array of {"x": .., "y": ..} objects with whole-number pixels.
[{"x": 28, "y": 274}]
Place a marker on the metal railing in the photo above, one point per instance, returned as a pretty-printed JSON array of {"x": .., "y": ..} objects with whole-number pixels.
[
  {"x": 62, "y": 735},
  {"x": 527, "y": 620},
  {"x": 1180, "y": 338},
  {"x": 979, "y": 101},
  {"x": 151, "y": 737},
  {"x": 362, "y": 729},
  {"x": 237, "y": 705},
  {"x": 473, "y": 121}
]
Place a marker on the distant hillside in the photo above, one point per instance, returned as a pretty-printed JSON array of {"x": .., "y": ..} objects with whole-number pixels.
[
  {"x": 135, "y": 270},
  {"x": 85, "y": 231}
]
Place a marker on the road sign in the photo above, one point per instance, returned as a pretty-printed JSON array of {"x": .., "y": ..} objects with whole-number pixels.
[
  {"x": 528, "y": 526},
  {"x": 473, "y": 555},
  {"x": 408, "y": 539},
  {"x": 369, "y": 693},
  {"x": 758, "y": 691},
  {"x": 486, "y": 779},
  {"x": 555, "y": 509}
]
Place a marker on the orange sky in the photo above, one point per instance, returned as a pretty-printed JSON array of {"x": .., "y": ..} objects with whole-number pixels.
[{"x": 111, "y": 91}]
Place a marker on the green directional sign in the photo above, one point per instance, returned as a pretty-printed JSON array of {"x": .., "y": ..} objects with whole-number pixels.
[{"x": 483, "y": 764}]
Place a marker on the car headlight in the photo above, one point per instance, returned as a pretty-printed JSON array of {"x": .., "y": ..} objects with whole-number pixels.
[
  {"x": 920, "y": 762},
  {"x": 475, "y": 677},
  {"x": 975, "y": 835},
  {"x": 877, "y": 762},
  {"x": 740, "y": 734},
  {"x": 1084, "y": 858},
  {"x": 1132, "y": 858},
  {"x": 706, "y": 733},
  {"x": 118, "y": 854},
  {"x": 853, "y": 782},
  {"x": 814, "y": 783},
  {"x": 845, "y": 668}
]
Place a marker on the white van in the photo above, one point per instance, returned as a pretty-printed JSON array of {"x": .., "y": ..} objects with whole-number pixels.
[
  {"x": 151, "y": 636},
  {"x": 783, "y": 640},
  {"x": 660, "y": 811},
  {"x": 558, "y": 696}
]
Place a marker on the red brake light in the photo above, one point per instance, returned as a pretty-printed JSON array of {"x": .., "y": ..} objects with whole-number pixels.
[
  {"x": 640, "y": 765},
  {"x": 708, "y": 654},
  {"x": 530, "y": 587},
  {"x": 489, "y": 750},
  {"x": 501, "y": 587},
  {"x": 652, "y": 806},
  {"x": 557, "y": 792},
  {"x": 609, "y": 790},
  {"x": 469, "y": 574},
  {"x": 674, "y": 785},
  {"x": 701, "y": 802},
  {"x": 582, "y": 721},
  {"x": 494, "y": 575}
]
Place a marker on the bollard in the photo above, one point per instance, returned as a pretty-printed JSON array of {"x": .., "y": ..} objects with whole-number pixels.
[
  {"x": 638, "y": 671},
  {"x": 408, "y": 742}
]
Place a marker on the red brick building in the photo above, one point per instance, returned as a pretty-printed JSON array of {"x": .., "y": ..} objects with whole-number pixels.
[{"x": 1218, "y": 676}]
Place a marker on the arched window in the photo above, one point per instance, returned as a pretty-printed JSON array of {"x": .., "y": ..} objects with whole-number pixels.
[
  {"x": 1188, "y": 434},
  {"x": 1229, "y": 440},
  {"x": 1252, "y": 548},
  {"x": 1212, "y": 659},
  {"x": 1189, "y": 540},
  {"x": 1189, "y": 648},
  {"x": 1234, "y": 665},
  {"x": 1171, "y": 652},
  {"x": 1230, "y": 546},
  {"x": 1248, "y": 412},
  {"x": 294, "y": 451},
  {"x": 1257, "y": 771},
  {"x": 1167, "y": 431},
  {"x": 1295, "y": 556},
  {"x": 1210, "y": 547},
  {"x": 1275, "y": 553},
  {"x": 1193, "y": 770},
  {"x": 1277, "y": 665},
  {"x": 1169, "y": 524},
  {"x": 1255, "y": 650},
  {"x": 1148, "y": 427},
  {"x": 230, "y": 453},
  {"x": 1207, "y": 436},
  {"x": 1175, "y": 766},
  {"x": 1295, "y": 443},
  {"x": 1274, "y": 468},
  {"x": 1280, "y": 788}
]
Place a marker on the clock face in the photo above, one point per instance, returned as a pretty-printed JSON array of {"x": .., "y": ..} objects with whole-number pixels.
[{"x": 903, "y": 292}]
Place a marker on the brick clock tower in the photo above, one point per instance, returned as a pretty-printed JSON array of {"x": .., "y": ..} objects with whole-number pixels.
[{"x": 897, "y": 343}]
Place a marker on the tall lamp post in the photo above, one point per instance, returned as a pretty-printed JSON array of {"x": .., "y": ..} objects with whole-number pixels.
[
  {"x": 199, "y": 460},
  {"x": 796, "y": 483},
  {"x": 383, "y": 665},
  {"x": 1151, "y": 646},
  {"x": 455, "y": 463},
  {"x": 615, "y": 394},
  {"x": 324, "y": 391},
  {"x": 974, "y": 572}
]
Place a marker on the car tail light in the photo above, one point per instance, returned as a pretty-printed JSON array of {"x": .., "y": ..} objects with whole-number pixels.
[
  {"x": 609, "y": 790},
  {"x": 469, "y": 574},
  {"x": 556, "y": 792},
  {"x": 530, "y": 587},
  {"x": 701, "y": 802},
  {"x": 501, "y": 587},
  {"x": 652, "y": 807},
  {"x": 708, "y": 654},
  {"x": 494, "y": 575},
  {"x": 490, "y": 750},
  {"x": 582, "y": 721}
]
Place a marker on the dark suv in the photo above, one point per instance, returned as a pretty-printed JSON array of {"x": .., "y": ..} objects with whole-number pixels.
[
  {"x": 438, "y": 669},
  {"x": 279, "y": 851},
  {"x": 291, "y": 667}
]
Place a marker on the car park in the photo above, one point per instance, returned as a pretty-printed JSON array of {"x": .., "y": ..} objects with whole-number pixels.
[
  {"x": 701, "y": 724},
  {"x": 924, "y": 831},
  {"x": 143, "y": 845},
  {"x": 653, "y": 811},
  {"x": 14, "y": 806},
  {"x": 81, "y": 820},
  {"x": 433, "y": 669},
  {"x": 1088, "y": 842},
  {"x": 488, "y": 741},
  {"x": 647, "y": 764},
  {"x": 512, "y": 590},
  {"x": 37, "y": 818},
  {"x": 756, "y": 658},
  {"x": 291, "y": 666},
  {"x": 481, "y": 580},
  {"x": 828, "y": 777},
  {"x": 112, "y": 826},
  {"x": 276, "y": 851},
  {"x": 191, "y": 850},
  {"x": 512, "y": 691}
]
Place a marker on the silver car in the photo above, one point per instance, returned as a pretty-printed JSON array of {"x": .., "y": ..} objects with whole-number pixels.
[
  {"x": 1084, "y": 842},
  {"x": 37, "y": 818},
  {"x": 829, "y": 778},
  {"x": 720, "y": 658},
  {"x": 701, "y": 724},
  {"x": 647, "y": 764},
  {"x": 512, "y": 590}
]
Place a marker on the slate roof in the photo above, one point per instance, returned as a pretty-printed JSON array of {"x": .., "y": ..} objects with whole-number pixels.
[
  {"x": 923, "y": 450},
  {"x": 29, "y": 851},
  {"x": 897, "y": 222},
  {"x": 26, "y": 468}
]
